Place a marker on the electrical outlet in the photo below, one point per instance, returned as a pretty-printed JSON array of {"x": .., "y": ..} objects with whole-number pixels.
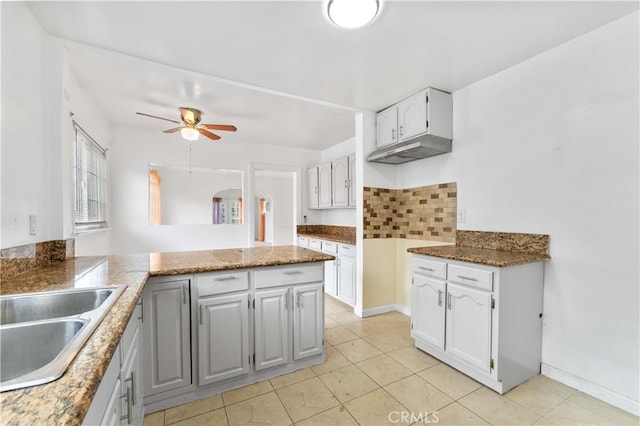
[
  {"x": 462, "y": 216},
  {"x": 32, "y": 225}
]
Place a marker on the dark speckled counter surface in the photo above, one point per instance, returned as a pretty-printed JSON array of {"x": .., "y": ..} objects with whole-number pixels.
[
  {"x": 66, "y": 400},
  {"x": 482, "y": 256}
]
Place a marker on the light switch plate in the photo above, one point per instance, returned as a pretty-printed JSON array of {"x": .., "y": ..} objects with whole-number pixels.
[
  {"x": 32, "y": 224},
  {"x": 462, "y": 216}
]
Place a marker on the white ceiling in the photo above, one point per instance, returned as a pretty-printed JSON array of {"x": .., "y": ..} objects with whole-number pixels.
[{"x": 290, "y": 47}]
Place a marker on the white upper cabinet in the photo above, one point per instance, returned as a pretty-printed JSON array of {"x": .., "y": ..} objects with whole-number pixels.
[
  {"x": 312, "y": 187},
  {"x": 387, "y": 127},
  {"x": 340, "y": 182},
  {"x": 429, "y": 112},
  {"x": 412, "y": 116},
  {"x": 324, "y": 185}
]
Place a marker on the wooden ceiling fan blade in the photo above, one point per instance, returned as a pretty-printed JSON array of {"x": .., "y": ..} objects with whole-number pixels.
[
  {"x": 159, "y": 118},
  {"x": 209, "y": 134},
  {"x": 225, "y": 127},
  {"x": 175, "y": 129}
]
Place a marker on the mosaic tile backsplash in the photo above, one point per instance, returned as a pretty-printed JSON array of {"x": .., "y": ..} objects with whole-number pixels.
[
  {"x": 423, "y": 213},
  {"x": 16, "y": 260}
]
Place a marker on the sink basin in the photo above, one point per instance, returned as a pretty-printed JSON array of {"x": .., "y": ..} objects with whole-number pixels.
[
  {"x": 41, "y": 333},
  {"x": 27, "y": 348},
  {"x": 55, "y": 304}
]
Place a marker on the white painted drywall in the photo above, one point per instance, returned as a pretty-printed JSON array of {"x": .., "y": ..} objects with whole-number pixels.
[
  {"x": 132, "y": 151},
  {"x": 25, "y": 146},
  {"x": 551, "y": 146}
]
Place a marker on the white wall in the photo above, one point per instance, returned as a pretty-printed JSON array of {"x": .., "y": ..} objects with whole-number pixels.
[
  {"x": 25, "y": 145},
  {"x": 551, "y": 146},
  {"x": 132, "y": 151}
]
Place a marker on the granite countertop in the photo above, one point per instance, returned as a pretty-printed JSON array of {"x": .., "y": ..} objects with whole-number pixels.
[
  {"x": 66, "y": 400},
  {"x": 331, "y": 237},
  {"x": 482, "y": 256}
]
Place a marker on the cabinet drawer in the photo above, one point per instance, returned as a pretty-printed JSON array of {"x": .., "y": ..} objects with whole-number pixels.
[
  {"x": 471, "y": 277},
  {"x": 221, "y": 282},
  {"x": 429, "y": 267},
  {"x": 302, "y": 273},
  {"x": 303, "y": 241},
  {"x": 329, "y": 247},
  {"x": 315, "y": 244},
  {"x": 346, "y": 250}
]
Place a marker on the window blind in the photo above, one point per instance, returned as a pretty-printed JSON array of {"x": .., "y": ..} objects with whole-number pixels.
[{"x": 90, "y": 183}]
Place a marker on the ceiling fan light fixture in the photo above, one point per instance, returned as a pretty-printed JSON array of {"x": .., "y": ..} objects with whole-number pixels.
[
  {"x": 352, "y": 14},
  {"x": 189, "y": 133}
]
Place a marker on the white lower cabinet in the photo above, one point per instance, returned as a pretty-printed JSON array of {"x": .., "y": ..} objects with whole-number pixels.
[
  {"x": 119, "y": 398},
  {"x": 248, "y": 325},
  {"x": 271, "y": 328},
  {"x": 167, "y": 335},
  {"x": 223, "y": 338},
  {"x": 308, "y": 320},
  {"x": 484, "y": 321}
]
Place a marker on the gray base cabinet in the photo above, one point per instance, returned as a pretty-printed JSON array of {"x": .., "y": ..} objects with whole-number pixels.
[
  {"x": 167, "y": 335},
  {"x": 238, "y": 328},
  {"x": 223, "y": 338}
]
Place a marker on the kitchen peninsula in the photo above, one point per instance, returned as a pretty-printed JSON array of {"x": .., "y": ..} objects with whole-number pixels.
[{"x": 66, "y": 401}]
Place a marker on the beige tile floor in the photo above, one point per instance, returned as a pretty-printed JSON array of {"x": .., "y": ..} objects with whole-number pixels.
[{"x": 374, "y": 374}]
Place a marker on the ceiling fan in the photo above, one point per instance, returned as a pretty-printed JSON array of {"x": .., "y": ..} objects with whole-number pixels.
[{"x": 191, "y": 127}]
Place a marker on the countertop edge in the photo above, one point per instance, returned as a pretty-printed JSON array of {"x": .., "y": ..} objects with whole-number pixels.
[{"x": 523, "y": 260}]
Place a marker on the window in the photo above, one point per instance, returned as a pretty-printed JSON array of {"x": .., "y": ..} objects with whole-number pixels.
[{"x": 90, "y": 181}]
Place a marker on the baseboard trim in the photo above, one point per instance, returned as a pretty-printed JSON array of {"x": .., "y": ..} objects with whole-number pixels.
[
  {"x": 404, "y": 310},
  {"x": 378, "y": 310},
  {"x": 603, "y": 394}
]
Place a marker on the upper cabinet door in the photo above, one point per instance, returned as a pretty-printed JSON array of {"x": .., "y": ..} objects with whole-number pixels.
[
  {"x": 340, "y": 182},
  {"x": 412, "y": 116},
  {"x": 324, "y": 185},
  {"x": 387, "y": 127},
  {"x": 312, "y": 187},
  {"x": 353, "y": 188}
]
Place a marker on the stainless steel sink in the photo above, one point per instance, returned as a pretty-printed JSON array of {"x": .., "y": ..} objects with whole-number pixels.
[
  {"x": 55, "y": 304},
  {"x": 41, "y": 333}
]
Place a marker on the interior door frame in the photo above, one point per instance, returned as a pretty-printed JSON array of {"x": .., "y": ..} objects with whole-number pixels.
[{"x": 251, "y": 193}]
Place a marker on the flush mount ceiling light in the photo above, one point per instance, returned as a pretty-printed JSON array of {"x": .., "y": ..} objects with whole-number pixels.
[
  {"x": 351, "y": 14},
  {"x": 189, "y": 133}
]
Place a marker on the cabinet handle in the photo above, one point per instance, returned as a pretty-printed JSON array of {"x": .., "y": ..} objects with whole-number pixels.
[
  {"x": 133, "y": 388},
  {"x": 462, "y": 277},
  {"x": 229, "y": 278},
  {"x": 201, "y": 313},
  {"x": 129, "y": 406},
  {"x": 141, "y": 317},
  {"x": 393, "y": 134},
  {"x": 292, "y": 272},
  {"x": 439, "y": 297},
  {"x": 300, "y": 303},
  {"x": 286, "y": 302},
  {"x": 426, "y": 269},
  {"x": 449, "y": 301},
  {"x": 401, "y": 130},
  {"x": 184, "y": 294}
]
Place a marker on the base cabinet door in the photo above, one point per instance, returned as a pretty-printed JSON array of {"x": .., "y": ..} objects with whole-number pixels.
[
  {"x": 271, "y": 328},
  {"x": 346, "y": 279},
  {"x": 167, "y": 337},
  {"x": 131, "y": 389},
  {"x": 112, "y": 415},
  {"x": 427, "y": 319},
  {"x": 308, "y": 324},
  {"x": 330, "y": 278},
  {"x": 468, "y": 325},
  {"x": 223, "y": 338}
]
